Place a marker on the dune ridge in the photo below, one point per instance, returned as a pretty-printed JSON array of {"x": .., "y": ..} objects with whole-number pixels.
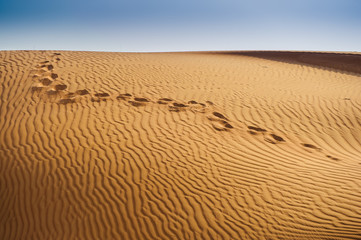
[
  {"x": 202, "y": 145},
  {"x": 341, "y": 61}
]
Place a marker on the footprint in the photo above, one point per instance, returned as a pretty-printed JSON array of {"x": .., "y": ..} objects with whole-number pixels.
[
  {"x": 307, "y": 145},
  {"x": 70, "y": 94},
  {"x": 219, "y": 115},
  {"x": 82, "y": 92},
  {"x": 36, "y": 88},
  {"x": 252, "y": 132},
  {"x": 49, "y": 67},
  {"x": 196, "y": 107},
  {"x": 60, "y": 87},
  {"x": 35, "y": 75},
  {"x": 44, "y": 62},
  {"x": 161, "y": 102},
  {"x": 40, "y": 65},
  {"x": 175, "y": 109},
  {"x": 269, "y": 141},
  {"x": 124, "y": 96},
  {"x": 46, "y": 81},
  {"x": 138, "y": 99},
  {"x": 136, "y": 104},
  {"x": 221, "y": 126},
  {"x": 333, "y": 158},
  {"x": 257, "y": 129},
  {"x": 96, "y": 99},
  {"x": 54, "y": 76},
  {"x": 165, "y": 99},
  {"x": 57, "y": 54},
  {"x": 219, "y": 122},
  {"x": 277, "y": 138},
  {"x": 66, "y": 101},
  {"x": 209, "y": 103},
  {"x": 179, "y": 105},
  {"x": 57, "y": 59},
  {"x": 101, "y": 95}
]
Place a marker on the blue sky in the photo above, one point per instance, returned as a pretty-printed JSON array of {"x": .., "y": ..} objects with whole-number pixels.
[{"x": 187, "y": 25}]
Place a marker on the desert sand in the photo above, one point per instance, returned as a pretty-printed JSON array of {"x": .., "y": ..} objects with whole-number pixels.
[{"x": 197, "y": 145}]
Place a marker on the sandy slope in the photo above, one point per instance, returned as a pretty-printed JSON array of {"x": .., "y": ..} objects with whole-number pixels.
[{"x": 179, "y": 145}]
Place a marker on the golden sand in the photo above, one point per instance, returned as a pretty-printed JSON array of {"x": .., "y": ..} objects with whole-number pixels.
[{"x": 206, "y": 145}]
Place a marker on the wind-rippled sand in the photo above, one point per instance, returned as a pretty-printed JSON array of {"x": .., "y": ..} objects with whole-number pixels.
[{"x": 207, "y": 145}]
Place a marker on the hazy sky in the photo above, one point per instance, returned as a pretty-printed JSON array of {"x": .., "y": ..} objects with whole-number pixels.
[{"x": 180, "y": 25}]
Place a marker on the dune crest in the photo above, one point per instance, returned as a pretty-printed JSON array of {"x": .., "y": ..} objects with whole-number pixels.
[{"x": 180, "y": 145}]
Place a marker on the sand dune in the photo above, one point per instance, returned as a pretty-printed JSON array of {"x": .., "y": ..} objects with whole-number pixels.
[{"x": 227, "y": 145}]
